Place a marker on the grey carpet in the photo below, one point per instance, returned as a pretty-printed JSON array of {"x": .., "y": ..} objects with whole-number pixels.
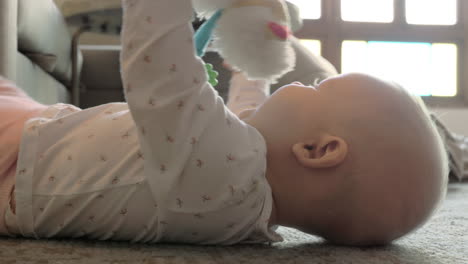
[{"x": 443, "y": 240}]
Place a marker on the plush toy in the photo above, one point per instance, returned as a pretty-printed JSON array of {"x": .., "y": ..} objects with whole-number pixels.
[{"x": 251, "y": 35}]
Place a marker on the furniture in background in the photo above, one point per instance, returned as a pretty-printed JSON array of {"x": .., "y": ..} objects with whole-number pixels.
[
  {"x": 98, "y": 85},
  {"x": 100, "y": 78},
  {"x": 36, "y": 49}
]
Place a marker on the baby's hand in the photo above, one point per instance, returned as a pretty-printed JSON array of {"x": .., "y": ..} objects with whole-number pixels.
[{"x": 228, "y": 67}]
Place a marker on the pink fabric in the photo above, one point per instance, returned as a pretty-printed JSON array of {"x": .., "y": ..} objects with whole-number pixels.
[
  {"x": 280, "y": 31},
  {"x": 15, "y": 109}
]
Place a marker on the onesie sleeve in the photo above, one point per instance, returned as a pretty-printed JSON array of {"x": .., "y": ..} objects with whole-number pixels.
[
  {"x": 165, "y": 83},
  {"x": 160, "y": 70},
  {"x": 246, "y": 94}
]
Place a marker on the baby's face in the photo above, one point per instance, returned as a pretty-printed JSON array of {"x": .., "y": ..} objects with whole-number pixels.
[
  {"x": 324, "y": 102},
  {"x": 392, "y": 176},
  {"x": 291, "y": 101}
]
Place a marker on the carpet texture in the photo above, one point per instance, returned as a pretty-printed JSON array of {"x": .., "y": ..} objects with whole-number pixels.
[{"x": 443, "y": 240}]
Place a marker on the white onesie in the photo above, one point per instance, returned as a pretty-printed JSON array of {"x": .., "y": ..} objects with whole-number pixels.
[{"x": 173, "y": 165}]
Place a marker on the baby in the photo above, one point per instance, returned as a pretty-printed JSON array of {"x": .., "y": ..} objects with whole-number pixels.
[{"x": 355, "y": 160}]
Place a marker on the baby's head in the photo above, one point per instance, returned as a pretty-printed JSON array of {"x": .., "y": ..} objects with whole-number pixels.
[{"x": 355, "y": 160}]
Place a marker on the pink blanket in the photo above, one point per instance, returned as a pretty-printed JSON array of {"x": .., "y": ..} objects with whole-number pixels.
[{"x": 15, "y": 109}]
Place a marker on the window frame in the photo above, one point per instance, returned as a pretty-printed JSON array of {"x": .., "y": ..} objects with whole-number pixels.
[{"x": 331, "y": 30}]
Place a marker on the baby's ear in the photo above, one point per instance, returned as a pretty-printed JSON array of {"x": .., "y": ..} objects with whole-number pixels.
[{"x": 325, "y": 151}]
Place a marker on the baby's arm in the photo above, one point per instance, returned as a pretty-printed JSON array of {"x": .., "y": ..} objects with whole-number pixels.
[
  {"x": 165, "y": 82},
  {"x": 246, "y": 95},
  {"x": 158, "y": 60}
]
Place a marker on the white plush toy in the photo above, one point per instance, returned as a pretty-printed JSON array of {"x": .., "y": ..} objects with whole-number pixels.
[{"x": 251, "y": 35}]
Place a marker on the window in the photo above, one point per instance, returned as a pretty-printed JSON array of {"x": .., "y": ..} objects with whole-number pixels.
[
  {"x": 436, "y": 12},
  {"x": 315, "y": 46},
  {"x": 425, "y": 69},
  {"x": 416, "y": 43},
  {"x": 367, "y": 10},
  {"x": 310, "y": 9}
]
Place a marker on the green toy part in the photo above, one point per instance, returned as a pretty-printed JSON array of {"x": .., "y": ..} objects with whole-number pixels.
[{"x": 212, "y": 74}]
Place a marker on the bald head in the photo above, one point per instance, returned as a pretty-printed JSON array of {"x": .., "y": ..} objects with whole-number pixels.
[{"x": 397, "y": 165}]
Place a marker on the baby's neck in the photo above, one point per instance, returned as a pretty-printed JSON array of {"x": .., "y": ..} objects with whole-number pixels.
[{"x": 290, "y": 213}]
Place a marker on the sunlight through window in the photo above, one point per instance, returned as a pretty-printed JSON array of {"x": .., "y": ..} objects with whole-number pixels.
[
  {"x": 315, "y": 46},
  {"x": 431, "y": 12},
  {"x": 380, "y": 11},
  {"x": 423, "y": 68},
  {"x": 310, "y": 9}
]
